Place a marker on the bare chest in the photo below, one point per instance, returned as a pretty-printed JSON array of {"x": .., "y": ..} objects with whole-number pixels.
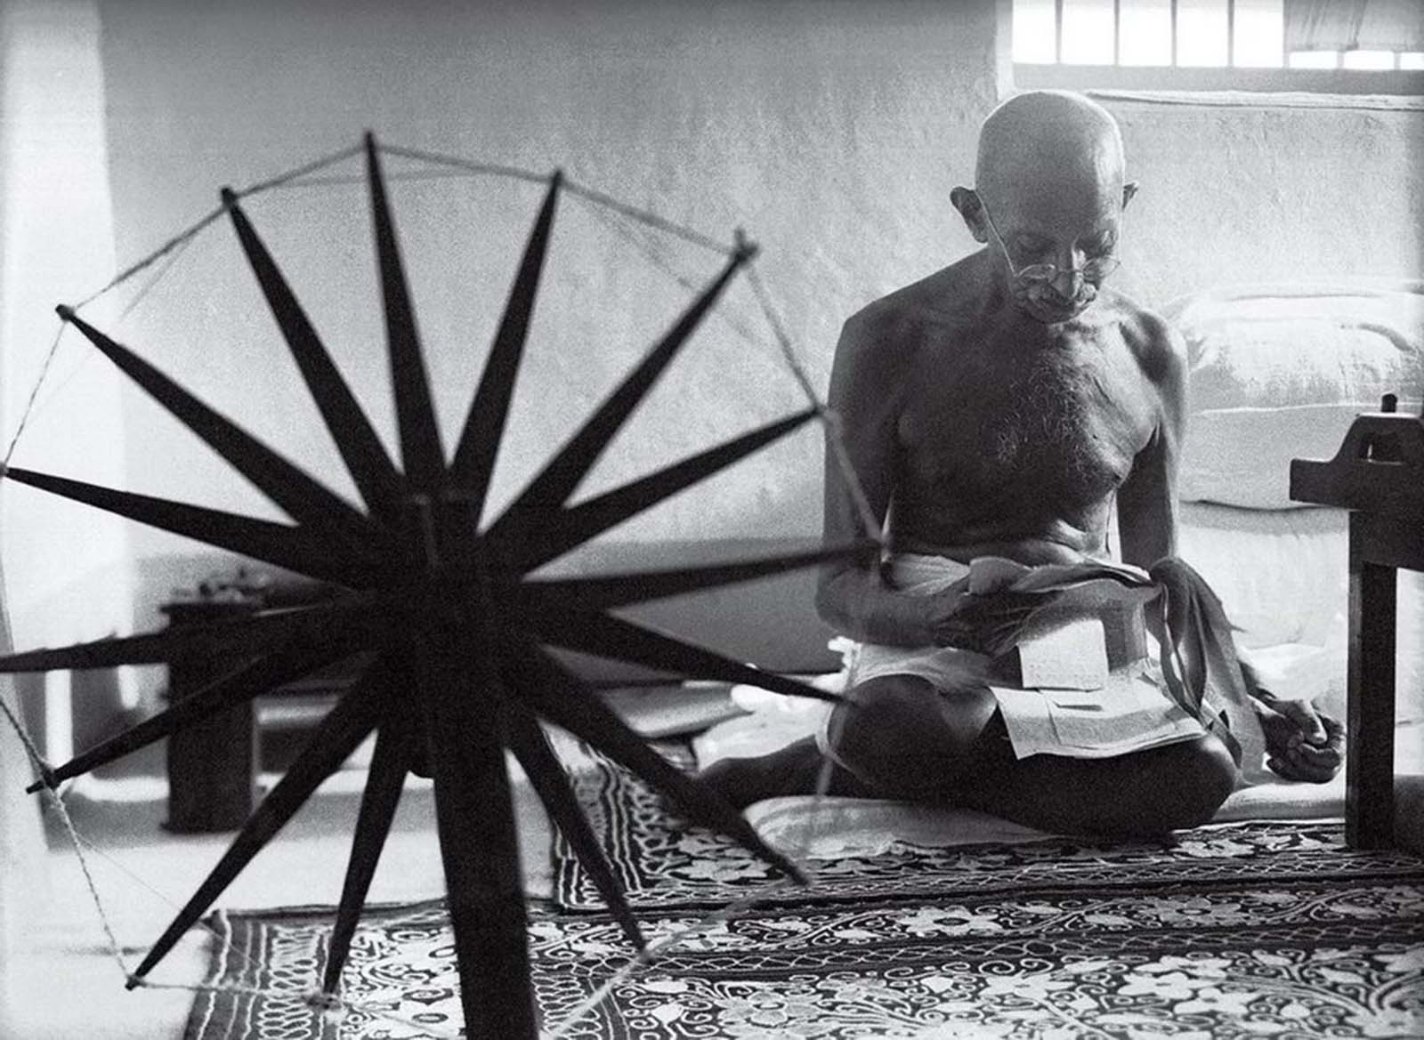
[{"x": 1054, "y": 429}]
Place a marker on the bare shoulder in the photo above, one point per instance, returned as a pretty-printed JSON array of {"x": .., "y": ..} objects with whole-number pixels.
[
  {"x": 1160, "y": 351},
  {"x": 894, "y": 329}
]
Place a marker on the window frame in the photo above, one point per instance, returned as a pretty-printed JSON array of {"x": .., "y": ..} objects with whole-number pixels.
[
  {"x": 1219, "y": 78},
  {"x": 1407, "y": 82}
]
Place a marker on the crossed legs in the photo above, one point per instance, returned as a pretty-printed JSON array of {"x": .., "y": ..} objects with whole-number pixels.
[{"x": 899, "y": 737}]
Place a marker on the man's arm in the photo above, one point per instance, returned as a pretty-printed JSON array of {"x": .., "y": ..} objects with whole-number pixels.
[
  {"x": 1147, "y": 500},
  {"x": 1302, "y": 743},
  {"x": 868, "y": 383}
]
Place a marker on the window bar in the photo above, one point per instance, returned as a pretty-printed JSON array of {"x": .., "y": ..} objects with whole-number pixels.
[
  {"x": 1231, "y": 33},
  {"x": 1117, "y": 34},
  {"x": 1174, "y": 32},
  {"x": 1058, "y": 31}
]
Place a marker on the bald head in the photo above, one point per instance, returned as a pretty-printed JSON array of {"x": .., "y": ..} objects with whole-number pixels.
[
  {"x": 1048, "y": 141},
  {"x": 1049, "y": 189}
]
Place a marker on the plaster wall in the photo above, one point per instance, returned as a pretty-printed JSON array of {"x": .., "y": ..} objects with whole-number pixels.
[
  {"x": 832, "y": 132},
  {"x": 55, "y": 236},
  {"x": 56, "y": 245},
  {"x": 1235, "y": 193}
]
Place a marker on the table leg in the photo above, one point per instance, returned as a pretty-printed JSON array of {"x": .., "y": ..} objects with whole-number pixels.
[
  {"x": 1369, "y": 756},
  {"x": 212, "y": 764}
]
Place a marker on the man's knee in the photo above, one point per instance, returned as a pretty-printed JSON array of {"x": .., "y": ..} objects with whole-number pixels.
[
  {"x": 1206, "y": 774},
  {"x": 905, "y": 722},
  {"x": 1149, "y": 793}
]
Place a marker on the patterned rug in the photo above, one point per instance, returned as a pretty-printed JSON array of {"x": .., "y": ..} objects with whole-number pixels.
[
  {"x": 1234, "y": 931},
  {"x": 1266, "y": 928},
  {"x": 666, "y": 864}
]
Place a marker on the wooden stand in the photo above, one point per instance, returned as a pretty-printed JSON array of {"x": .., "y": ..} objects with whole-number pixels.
[
  {"x": 1378, "y": 474},
  {"x": 212, "y": 765}
]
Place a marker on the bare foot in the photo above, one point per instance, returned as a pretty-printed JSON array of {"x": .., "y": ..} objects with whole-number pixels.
[{"x": 794, "y": 769}]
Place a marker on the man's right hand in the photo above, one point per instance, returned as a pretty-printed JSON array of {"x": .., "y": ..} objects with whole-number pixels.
[
  {"x": 979, "y": 622},
  {"x": 1302, "y": 743}
]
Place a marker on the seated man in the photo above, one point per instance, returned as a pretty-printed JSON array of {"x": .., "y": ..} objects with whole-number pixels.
[{"x": 997, "y": 408}]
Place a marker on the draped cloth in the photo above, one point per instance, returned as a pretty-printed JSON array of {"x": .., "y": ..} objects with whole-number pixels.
[
  {"x": 1197, "y": 659},
  {"x": 1343, "y": 25}
]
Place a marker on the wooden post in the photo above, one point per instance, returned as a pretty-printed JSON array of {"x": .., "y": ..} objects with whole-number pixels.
[
  {"x": 462, "y": 707},
  {"x": 1369, "y": 755},
  {"x": 1376, "y": 475}
]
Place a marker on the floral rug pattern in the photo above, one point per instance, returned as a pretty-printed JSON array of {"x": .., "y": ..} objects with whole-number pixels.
[
  {"x": 1227, "y": 932},
  {"x": 665, "y": 863},
  {"x": 1337, "y": 958}
]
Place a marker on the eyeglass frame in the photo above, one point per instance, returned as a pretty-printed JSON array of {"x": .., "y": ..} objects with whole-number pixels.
[{"x": 1091, "y": 271}]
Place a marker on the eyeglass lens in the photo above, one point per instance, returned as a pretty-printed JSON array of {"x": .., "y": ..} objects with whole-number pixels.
[
  {"x": 1098, "y": 267},
  {"x": 1093, "y": 270}
]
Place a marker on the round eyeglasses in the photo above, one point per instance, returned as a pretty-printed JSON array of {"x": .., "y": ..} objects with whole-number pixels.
[{"x": 1094, "y": 269}]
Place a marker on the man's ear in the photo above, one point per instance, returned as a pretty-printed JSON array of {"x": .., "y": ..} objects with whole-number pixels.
[
  {"x": 966, "y": 200},
  {"x": 1128, "y": 191}
]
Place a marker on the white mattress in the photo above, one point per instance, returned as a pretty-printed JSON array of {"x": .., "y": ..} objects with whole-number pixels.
[
  {"x": 1279, "y": 372},
  {"x": 830, "y": 828}
]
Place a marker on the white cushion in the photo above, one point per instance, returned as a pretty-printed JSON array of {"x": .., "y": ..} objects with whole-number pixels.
[{"x": 1279, "y": 372}]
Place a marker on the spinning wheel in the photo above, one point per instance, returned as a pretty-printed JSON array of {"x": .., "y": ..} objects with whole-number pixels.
[{"x": 461, "y": 630}]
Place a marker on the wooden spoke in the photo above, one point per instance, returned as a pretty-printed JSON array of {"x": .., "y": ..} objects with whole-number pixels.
[
  {"x": 291, "y": 547},
  {"x": 479, "y": 443},
  {"x": 606, "y": 636},
  {"x": 423, "y": 458},
  {"x": 558, "y": 479},
  {"x": 257, "y": 632},
  {"x": 365, "y": 457},
  {"x": 531, "y": 746},
  {"x": 305, "y": 500},
  {"x": 616, "y": 590},
  {"x": 242, "y": 684},
  {"x": 563, "y": 700},
  {"x": 574, "y": 525},
  {"x": 340, "y": 732},
  {"x": 373, "y": 824}
]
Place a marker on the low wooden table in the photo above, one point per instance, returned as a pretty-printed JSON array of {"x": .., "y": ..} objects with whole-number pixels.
[
  {"x": 213, "y": 765},
  {"x": 1378, "y": 474}
]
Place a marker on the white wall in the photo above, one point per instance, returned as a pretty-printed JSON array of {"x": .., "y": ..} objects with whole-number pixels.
[
  {"x": 832, "y": 132},
  {"x": 56, "y": 244},
  {"x": 56, "y": 239},
  {"x": 1237, "y": 193}
]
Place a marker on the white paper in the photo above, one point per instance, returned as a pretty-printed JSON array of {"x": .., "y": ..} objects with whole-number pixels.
[
  {"x": 1128, "y": 713},
  {"x": 1070, "y": 655}
]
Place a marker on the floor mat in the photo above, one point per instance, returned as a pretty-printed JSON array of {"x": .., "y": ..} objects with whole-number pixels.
[
  {"x": 1248, "y": 930},
  {"x": 663, "y": 863}
]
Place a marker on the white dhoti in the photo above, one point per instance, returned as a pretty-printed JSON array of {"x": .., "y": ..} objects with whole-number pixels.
[
  {"x": 919, "y": 575},
  {"x": 1130, "y": 710}
]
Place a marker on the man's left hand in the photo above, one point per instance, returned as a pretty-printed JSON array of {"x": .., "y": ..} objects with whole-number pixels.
[{"x": 1301, "y": 743}]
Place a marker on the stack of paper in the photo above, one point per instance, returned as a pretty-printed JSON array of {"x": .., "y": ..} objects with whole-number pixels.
[
  {"x": 1127, "y": 713},
  {"x": 1068, "y": 655}
]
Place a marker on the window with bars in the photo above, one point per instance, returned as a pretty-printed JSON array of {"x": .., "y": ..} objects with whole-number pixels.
[{"x": 1357, "y": 46}]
